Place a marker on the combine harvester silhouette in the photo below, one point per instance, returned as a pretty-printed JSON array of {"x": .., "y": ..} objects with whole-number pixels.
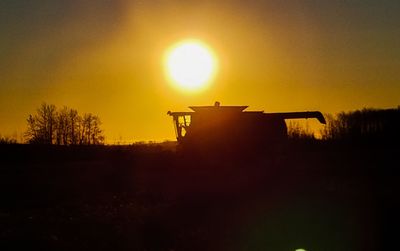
[{"x": 226, "y": 127}]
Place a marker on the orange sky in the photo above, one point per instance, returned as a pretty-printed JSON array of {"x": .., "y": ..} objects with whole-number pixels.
[{"x": 105, "y": 57}]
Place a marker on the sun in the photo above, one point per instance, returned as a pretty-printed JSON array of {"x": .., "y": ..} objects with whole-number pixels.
[{"x": 190, "y": 65}]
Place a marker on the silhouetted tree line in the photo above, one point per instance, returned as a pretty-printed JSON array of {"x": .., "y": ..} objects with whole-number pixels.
[
  {"x": 7, "y": 140},
  {"x": 364, "y": 125},
  {"x": 63, "y": 127}
]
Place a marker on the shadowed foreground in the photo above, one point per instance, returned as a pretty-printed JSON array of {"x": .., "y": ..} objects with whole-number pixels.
[{"x": 315, "y": 196}]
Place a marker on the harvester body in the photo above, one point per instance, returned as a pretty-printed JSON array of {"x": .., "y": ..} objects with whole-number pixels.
[{"x": 222, "y": 126}]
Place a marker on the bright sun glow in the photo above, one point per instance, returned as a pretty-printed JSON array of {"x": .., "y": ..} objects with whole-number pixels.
[{"x": 190, "y": 65}]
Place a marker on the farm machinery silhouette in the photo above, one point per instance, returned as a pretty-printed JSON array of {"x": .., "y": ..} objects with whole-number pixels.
[{"x": 231, "y": 126}]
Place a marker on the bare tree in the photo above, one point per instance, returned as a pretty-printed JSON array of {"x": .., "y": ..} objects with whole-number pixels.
[
  {"x": 90, "y": 132},
  {"x": 96, "y": 133},
  {"x": 73, "y": 120},
  {"x": 62, "y": 136},
  {"x": 42, "y": 125},
  {"x": 47, "y": 118},
  {"x": 32, "y": 132}
]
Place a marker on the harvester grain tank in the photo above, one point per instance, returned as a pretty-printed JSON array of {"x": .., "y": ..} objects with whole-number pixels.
[{"x": 233, "y": 126}]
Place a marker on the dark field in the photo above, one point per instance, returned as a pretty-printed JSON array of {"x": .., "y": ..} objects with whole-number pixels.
[{"x": 315, "y": 196}]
